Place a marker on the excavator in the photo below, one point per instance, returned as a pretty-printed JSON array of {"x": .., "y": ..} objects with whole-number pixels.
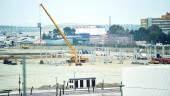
[{"x": 78, "y": 60}]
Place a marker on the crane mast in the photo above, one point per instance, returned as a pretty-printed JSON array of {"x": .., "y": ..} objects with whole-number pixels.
[{"x": 73, "y": 50}]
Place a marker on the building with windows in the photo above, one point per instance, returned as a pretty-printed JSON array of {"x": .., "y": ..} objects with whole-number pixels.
[
  {"x": 8, "y": 29},
  {"x": 80, "y": 83},
  {"x": 19, "y": 30},
  {"x": 163, "y": 22}
]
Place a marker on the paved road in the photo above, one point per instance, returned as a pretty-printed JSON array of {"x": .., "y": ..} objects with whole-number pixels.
[{"x": 80, "y": 92}]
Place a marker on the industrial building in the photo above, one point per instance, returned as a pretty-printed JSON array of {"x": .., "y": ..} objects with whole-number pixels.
[
  {"x": 163, "y": 22},
  {"x": 18, "y": 29}
]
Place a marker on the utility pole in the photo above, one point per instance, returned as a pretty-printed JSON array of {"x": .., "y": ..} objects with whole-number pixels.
[
  {"x": 31, "y": 91},
  {"x": 24, "y": 76},
  {"x": 63, "y": 86},
  {"x": 121, "y": 91},
  {"x": 56, "y": 87},
  {"x": 102, "y": 87},
  {"x": 60, "y": 91},
  {"x": 110, "y": 22},
  {"x": 155, "y": 51},
  {"x": 19, "y": 83},
  {"x": 163, "y": 50},
  {"x": 39, "y": 26}
]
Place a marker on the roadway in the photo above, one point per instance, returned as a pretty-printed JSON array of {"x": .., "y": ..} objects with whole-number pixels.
[{"x": 71, "y": 92}]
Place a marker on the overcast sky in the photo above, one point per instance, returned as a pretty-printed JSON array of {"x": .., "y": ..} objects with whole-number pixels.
[{"x": 28, "y": 12}]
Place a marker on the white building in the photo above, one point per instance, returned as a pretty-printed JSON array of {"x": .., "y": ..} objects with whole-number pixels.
[
  {"x": 80, "y": 83},
  {"x": 163, "y": 22},
  {"x": 146, "y": 81},
  {"x": 92, "y": 30}
]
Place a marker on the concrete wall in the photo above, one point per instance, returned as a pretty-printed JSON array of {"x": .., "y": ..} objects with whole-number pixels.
[{"x": 146, "y": 81}]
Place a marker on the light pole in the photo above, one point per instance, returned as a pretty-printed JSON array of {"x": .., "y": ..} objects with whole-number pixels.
[
  {"x": 24, "y": 75},
  {"x": 63, "y": 86},
  {"x": 19, "y": 83},
  {"x": 39, "y": 26},
  {"x": 56, "y": 87},
  {"x": 121, "y": 91}
]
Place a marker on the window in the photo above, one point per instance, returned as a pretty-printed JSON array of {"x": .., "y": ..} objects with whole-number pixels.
[
  {"x": 71, "y": 81},
  {"x": 88, "y": 83},
  {"x": 76, "y": 83},
  {"x": 71, "y": 86},
  {"x": 81, "y": 83},
  {"x": 93, "y": 83}
]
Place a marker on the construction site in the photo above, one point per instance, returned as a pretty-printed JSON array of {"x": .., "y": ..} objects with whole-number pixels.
[{"x": 82, "y": 69}]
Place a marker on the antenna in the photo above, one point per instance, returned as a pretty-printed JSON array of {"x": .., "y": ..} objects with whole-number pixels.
[{"x": 110, "y": 22}]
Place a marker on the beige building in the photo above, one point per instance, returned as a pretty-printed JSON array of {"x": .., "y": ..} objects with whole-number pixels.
[{"x": 163, "y": 22}]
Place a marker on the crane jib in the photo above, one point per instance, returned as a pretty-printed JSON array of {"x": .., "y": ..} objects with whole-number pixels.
[{"x": 73, "y": 50}]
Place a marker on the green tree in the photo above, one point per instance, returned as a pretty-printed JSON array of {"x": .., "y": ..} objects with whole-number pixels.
[
  {"x": 140, "y": 35},
  {"x": 168, "y": 38},
  {"x": 163, "y": 38},
  {"x": 154, "y": 28},
  {"x": 143, "y": 33},
  {"x": 55, "y": 34},
  {"x": 116, "y": 29},
  {"x": 155, "y": 34},
  {"x": 69, "y": 31},
  {"x": 44, "y": 36},
  {"x": 73, "y": 31}
]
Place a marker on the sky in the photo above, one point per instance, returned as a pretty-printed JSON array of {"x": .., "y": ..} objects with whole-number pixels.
[{"x": 28, "y": 12}]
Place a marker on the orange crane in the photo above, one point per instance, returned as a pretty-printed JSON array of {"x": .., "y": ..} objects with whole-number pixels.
[{"x": 74, "y": 58}]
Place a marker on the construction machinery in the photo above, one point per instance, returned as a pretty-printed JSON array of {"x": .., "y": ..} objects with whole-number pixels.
[
  {"x": 160, "y": 60},
  {"x": 25, "y": 47},
  {"x": 10, "y": 60},
  {"x": 74, "y": 58}
]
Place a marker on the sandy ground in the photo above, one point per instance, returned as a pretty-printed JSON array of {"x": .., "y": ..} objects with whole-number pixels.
[{"x": 46, "y": 74}]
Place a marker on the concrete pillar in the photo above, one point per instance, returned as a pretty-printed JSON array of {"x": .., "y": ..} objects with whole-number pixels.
[
  {"x": 90, "y": 81},
  {"x": 155, "y": 51},
  {"x": 134, "y": 55},
  {"x": 163, "y": 50},
  {"x": 150, "y": 51},
  {"x": 78, "y": 83},
  {"x": 84, "y": 84},
  {"x": 24, "y": 75}
]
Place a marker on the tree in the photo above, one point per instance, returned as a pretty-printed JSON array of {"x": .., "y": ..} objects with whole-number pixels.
[
  {"x": 55, "y": 34},
  {"x": 163, "y": 38},
  {"x": 45, "y": 36},
  {"x": 154, "y": 28},
  {"x": 73, "y": 31},
  {"x": 155, "y": 34},
  {"x": 69, "y": 31},
  {"x": 116, "y": 29},
  {"x": 140, "y": 35},
  {"x": 143, "y": 33},
  {"x": 168, "y": 40}
]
